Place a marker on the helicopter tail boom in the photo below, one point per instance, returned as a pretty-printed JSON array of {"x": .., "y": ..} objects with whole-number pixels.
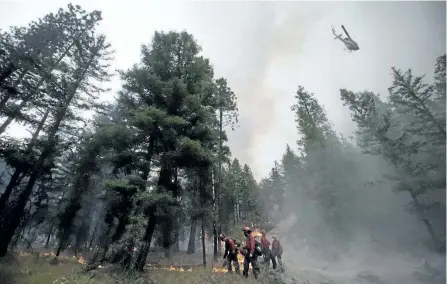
[{"x": 346, "y": 32}]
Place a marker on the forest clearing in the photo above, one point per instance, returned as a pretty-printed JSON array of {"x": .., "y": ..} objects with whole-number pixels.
[{"x": 145, "y": 188}]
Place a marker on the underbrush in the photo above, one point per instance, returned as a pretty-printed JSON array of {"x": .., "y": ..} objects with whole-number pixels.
[{"x": 37, "y": 270}]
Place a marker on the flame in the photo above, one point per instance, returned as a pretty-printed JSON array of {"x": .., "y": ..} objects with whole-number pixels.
[
  {"x": 257, "y": 233},
  {"x": 81, "y": 260},
  {"x": 181, "y": 269},
  {"x": 171, "y": 268},
  {"x": 40, "y": 254},
  {"x": 78, "y": 259}
]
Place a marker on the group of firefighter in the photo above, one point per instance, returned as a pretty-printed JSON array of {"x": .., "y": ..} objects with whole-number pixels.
[{"x": 251, "y": 250}]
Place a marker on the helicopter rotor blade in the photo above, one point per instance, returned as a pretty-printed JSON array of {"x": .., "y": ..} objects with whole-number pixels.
[{"x": 346, "y": 32}]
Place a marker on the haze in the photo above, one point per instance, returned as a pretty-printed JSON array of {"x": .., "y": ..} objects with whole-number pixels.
[{"x": 265, "y": 49}]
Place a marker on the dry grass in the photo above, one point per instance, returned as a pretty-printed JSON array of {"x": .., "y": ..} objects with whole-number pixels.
[{"x": 31, "y": 269}]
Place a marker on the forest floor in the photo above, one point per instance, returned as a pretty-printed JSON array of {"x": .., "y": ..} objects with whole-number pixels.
[{"x": 40, "y": 269}]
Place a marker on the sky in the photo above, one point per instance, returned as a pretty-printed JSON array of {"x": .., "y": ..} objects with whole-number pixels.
[{"x": 266, "y": 49}]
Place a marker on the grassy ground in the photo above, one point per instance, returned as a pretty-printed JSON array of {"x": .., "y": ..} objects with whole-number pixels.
[{"x": 33, "y": 269}]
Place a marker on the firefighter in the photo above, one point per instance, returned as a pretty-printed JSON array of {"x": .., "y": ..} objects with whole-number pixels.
[
  {"x": 249, "y": 253},
  {"x": 277, "y": 250},
  {"x": 230, "y": 254},
  {"x": 266, "y": 250}
]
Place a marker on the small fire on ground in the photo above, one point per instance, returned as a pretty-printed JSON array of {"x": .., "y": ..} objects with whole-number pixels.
[
  {"x": 257, "y": 233},
  {"x": 240, "y": 259},
  {"x": 79, "y": 259},
  {"x": 185, "y": 269}
]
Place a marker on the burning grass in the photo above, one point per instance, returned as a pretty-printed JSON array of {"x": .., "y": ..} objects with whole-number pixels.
[
  {"x": 185, "y": 268},
  {"x": 78, "y": 259},
  {"x": 33, "y": 268}
]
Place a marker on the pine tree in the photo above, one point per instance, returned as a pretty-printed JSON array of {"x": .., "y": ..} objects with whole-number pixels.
[
  {"x": 406, "y": 131},
  {"x": 87, "y": 65},
  {"x": 325, "y": 184},
  {"x": 227, "y": 117}
]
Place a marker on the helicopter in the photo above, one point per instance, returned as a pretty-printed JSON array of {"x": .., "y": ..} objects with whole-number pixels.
[{"x": 350, "y": 44}]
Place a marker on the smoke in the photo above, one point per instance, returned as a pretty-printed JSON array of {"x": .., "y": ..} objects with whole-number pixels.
[
  {"x": 266, "y": 49},
  {"x": 380, "y": 240},
  {"x": 256, "y": 37},
  {"x": 247, "y": 42}
]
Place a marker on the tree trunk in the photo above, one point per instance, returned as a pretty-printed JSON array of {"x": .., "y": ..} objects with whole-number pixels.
[
  {"x": 238, "y": 212},
  {"x": 81, "y": 184},
  {"x": 18, "y": 236},
  {"x": 219, "y": 231},
  {"x": 59, "y": 249},
  {"x": 16, "y": 215},
  {"x": 192, "y": 237},
  {"x": 17, "y": 211},
  {"x": 31, "y": 238},
  {"x": 167, "y": 238},
  {"x": 144, "y": 250},
  {"x": 103, "y": 247},
  {"x": 7, "y": 72},
  {"x": 234, "y": 214},
  {"x": 50, "y": 232},
  {"x": 6, "y": 98},
  {"x": 426, "y": 222},
  {"x": 152, "y": 222},
  {"x": 215, "y": 212},
  {"x": 93, "y": 236},
  {"x": 47, "y": 242},
  {"x": 15, "y": 179},
  {"x": 61, "y": 245},
  {"x": 13, "y": 182},
  {"x": 149, "y": 154},
  {"x": 203, "y": 180},
  {"x": 176, "y": 246},
  {"x": 219, "y": 180},
  {"x": 203, "y": 243},
  {"x": 215, "y": 241}
]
